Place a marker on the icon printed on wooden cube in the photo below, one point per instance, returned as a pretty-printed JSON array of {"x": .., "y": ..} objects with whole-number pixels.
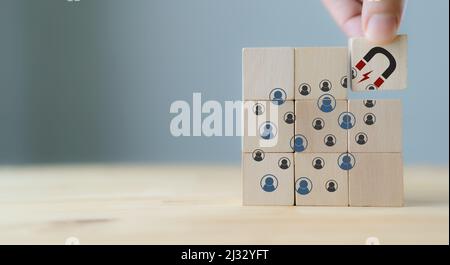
[
  {"x": 319, "y": 180},
  {"x": 320, "y": 70},
  {"x": 268, "y": 178},
  {"x": 268, "y": 74},
  {"x": 376, "y": 67},
  {"x": 299, "y": 143},
  {"x": 376, "y": 180},
  {"x": 322, "y": 124},
  {"x": 377, "y": 128},
  {"x": 268, "y": 126},
  {"x": 346, "y": 161}
]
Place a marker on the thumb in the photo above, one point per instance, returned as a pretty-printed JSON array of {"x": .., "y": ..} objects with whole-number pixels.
[{"x": 381, "y": 19}]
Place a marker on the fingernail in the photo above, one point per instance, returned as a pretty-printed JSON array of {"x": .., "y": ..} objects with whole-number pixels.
[{"x": 381, "y": 28}]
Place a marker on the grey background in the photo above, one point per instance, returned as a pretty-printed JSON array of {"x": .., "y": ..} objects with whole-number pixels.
[{"x": 93, "y": 81}]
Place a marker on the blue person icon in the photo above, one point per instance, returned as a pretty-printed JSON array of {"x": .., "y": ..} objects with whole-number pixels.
[
  {"x": 346, "y": 161},
  {"x": 278, "y": 96},
  {"x": 267, "y": 132},
  {"x": 269, "y": 183},
  {"x": 326, "y": 104},
  {"x": 346, "y": 121},
  {"x": 304, "y": 186},
  {"x": 298, "y": 143}
]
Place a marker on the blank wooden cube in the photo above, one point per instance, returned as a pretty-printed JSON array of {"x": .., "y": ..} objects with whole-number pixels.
[
  {"x": 268, "y": 126},
  {"x": 379, "y": 67},
  {"x": 321, "y": 129},
  {"x": 377, "y": 126},
  {"x": 268, "y": 178},
  {"x": 268, "y": 73},
  {"x": 321, "y": 70},
  {"x": 319, "y": 181},
  {"x": 376, "y": 180}
]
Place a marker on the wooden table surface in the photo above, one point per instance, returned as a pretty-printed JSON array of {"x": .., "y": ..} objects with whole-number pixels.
[{"x": 175, "y": 204}]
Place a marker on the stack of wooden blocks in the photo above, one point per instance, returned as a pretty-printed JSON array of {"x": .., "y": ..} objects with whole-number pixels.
[{"x": 305, "y": 143}]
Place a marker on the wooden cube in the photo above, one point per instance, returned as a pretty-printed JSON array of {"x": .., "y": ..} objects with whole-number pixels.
[
  {"x": 319, "y": 181},
  {"x": 376, "y": 180},
  {"x": 321, "y": 70},
  {"x": 268, "y": 126},
  {"x": 378, "y": 67},
  {"x": 318, "y": 123},
  {"x": 377, "y": 126},
  {"x": 268, "y": 178},
  {"x": 268, "y": 73}
]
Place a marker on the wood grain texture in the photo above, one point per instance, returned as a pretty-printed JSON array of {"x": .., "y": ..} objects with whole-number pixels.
[
  {"x": 276, "y": 167},
  {"x": 377, "y": 128},
  {"x": 376, "y": 180},
  {"x": 181, "y": 204},
  {"x": 275, "y": 115},
  {"x": 320, "y": 70},
  {"x": 265, "y": 69},
  {"x": 307, "y": 114},
  {"x": 376, "y": 66},
  {"x": 329, "y": 183}
]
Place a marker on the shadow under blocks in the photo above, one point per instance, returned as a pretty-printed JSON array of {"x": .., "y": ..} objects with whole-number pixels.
[{"x": 305, "y": 143}]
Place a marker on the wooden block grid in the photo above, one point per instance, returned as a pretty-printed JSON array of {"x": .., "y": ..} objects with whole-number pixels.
[{"x": 353, "y": 179}]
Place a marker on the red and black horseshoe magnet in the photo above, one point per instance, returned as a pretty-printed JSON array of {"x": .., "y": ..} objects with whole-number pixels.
[{"x": 389, "y": 70}]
